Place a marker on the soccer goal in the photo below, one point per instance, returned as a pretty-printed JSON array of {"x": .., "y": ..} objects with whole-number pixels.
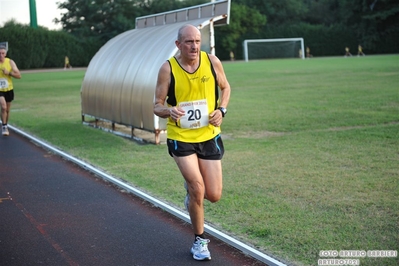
[{"x": 273, "y": 48}]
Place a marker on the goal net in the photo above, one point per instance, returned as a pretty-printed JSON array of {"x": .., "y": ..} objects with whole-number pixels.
[{"x": 273, "y": 48}]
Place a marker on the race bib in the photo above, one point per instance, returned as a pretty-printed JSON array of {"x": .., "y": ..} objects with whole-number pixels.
[
  {"x": 196, "y": 114},
  {"x": 3, "y": 83}
]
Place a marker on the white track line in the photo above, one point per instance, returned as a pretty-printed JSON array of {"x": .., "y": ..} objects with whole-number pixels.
[{"x": 212, "y": 231}]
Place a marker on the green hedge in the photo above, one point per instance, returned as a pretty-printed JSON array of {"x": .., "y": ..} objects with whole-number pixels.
[{"x": 41, "y": 48}]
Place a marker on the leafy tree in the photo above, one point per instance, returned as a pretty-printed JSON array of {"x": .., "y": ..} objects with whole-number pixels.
[
  {"x": 243, "y": 20},
  {"x": 373, "y": 23},
  {"x": 104, "y": 19},
  {"x": 376, "y": 22},
  {"x": 279, "y": 11},
  {"x": 101, "y": 19}
]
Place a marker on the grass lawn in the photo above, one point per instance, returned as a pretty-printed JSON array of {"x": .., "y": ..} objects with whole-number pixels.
[{"x": 312, "y": 152}]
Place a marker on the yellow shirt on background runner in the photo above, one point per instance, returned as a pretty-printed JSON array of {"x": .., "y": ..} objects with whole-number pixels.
[{"x": 5, "y": 80}]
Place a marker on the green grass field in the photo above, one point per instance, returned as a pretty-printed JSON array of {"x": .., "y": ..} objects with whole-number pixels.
[{"x": 312, "y": 152}]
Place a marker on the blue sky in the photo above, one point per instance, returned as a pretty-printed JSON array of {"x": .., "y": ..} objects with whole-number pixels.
[{"x": 46, "y": 11}]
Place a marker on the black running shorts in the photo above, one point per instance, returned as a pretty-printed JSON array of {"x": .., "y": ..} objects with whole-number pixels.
[
  {"x": 212, "y": 149},
  {"x": 8, "y": 95}
]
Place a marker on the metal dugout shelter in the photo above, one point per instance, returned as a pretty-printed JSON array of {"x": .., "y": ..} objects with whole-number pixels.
[{"x": 119, "y": 84}]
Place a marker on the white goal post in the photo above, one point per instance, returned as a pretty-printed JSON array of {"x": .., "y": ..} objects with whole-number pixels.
[{"x": 294, "y": 47}]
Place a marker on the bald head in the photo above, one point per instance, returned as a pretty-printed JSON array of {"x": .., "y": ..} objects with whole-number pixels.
[{"x": 188, "y": 28}]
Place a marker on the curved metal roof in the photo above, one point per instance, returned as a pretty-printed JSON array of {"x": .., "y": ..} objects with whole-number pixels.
[{"x": 120, "y": 81}]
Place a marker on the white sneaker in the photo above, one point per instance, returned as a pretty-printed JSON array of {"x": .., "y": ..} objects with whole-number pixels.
[
  {"x": 5, "y": 131},
  {"x": 200, "y": 249}
]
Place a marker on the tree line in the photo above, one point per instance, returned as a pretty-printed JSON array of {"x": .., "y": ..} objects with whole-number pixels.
[{"x": 327, "y": 26}]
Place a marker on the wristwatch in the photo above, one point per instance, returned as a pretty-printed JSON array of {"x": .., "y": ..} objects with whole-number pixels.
[{"x": 223, "y": 110}]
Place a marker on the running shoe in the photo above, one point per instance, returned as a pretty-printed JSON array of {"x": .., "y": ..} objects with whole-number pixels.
[
  {"x": 200, "y": 249},
  {"x": 5, "y": 131}
]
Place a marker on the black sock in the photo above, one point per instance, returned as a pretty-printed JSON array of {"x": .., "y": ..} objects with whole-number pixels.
[{"x": 201, "y": 236}]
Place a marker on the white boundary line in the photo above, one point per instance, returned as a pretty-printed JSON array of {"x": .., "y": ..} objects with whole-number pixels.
[{"x": 214, "y": 232}]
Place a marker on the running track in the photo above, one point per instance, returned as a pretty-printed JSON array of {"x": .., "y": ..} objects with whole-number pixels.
[{"x": 54, "y": 212}]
